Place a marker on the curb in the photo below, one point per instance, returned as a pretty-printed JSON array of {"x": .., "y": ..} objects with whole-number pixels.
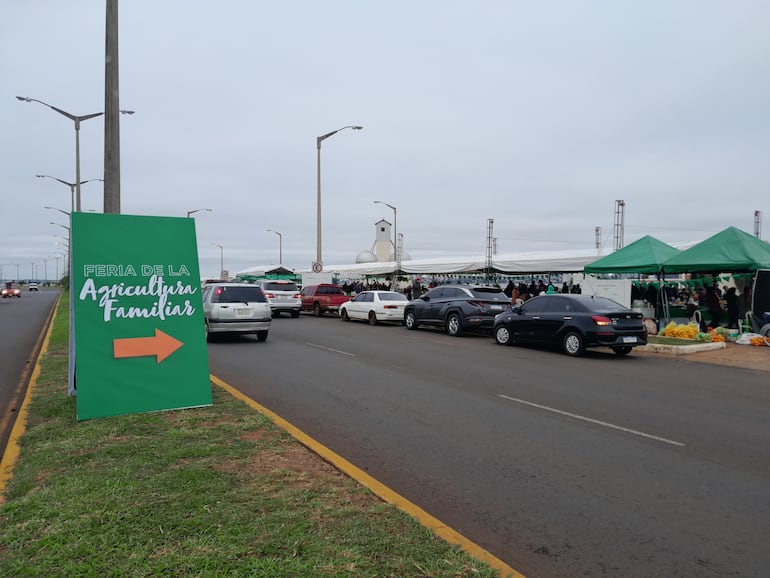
[{"x": 681, "y": 349}]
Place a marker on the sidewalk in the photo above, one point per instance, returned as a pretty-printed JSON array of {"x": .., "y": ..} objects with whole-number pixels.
[{"x": 732, "y": 355}]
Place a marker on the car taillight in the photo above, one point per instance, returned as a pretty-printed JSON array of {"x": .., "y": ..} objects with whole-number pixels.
[
  {"x": 390, "y": 306},
  {"x": 298, "y": 295},
  {"x": 601, "y": 320},
  {"x": 479, "y": 304},
  {"x": 270, "y": 295}
]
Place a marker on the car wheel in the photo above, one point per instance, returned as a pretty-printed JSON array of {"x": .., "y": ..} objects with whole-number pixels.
[
  {"x": 622, "y": 350},
  {"x": 261, "y": 335},
  {"x": 344, "y": 315},
  {"x": 574, "y": 344},
  {"x": 503, "y": 335},
  {"x": 209, "y": 335},
  {"x": 295, "y": 314},
  {"x": 453, "y": 325},
  {"x": 317, "y": 310},
  {"x": 409, "y": 320},
  {"x": 372, "y": 318}
]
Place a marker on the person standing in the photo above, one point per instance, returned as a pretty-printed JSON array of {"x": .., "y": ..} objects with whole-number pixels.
[
  {"x": 714, "y": 306},
  {"x": 731, "y": 301}
]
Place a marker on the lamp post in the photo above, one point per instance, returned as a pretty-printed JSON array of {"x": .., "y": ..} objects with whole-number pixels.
[
  {"x": 221, "y": 259},
  {"x": 318, "y": 265},
  {"x": 77, "y": 120},
  {"x": 62, "y": 226},
  {"x": 189, "y": 213},
  {"x": 60, "y": 210},
  {"x": 72, "y": 186},
  {"x": 280, "y": 246},
  {"x": 57, "y": 267}
]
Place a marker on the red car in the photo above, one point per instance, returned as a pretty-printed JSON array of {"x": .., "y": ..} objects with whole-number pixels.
[{"x": 11, "y": 290}]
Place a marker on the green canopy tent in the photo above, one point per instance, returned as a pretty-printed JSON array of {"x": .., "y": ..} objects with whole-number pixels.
[
  {"x": 729, "y": 251},
  {"x": 644, "y": 255}
]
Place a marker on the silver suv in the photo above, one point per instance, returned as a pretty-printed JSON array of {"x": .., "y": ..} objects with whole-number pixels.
[
  {"x": 235, "y": 308},
  {"x": 283, "y": 296}
]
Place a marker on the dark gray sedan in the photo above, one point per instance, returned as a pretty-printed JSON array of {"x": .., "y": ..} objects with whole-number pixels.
[{"x": 572, "y": 322}]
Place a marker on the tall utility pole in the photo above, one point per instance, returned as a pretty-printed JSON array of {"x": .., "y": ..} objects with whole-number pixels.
[
  {"x": 490, "y": 237},
  {"x": 758, "y": 224},
  {"x": 620, "y": 207},
  {"x": 111, "y": 113}
]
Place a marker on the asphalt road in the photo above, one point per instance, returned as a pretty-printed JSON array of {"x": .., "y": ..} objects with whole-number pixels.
[
  {"x": 21, "y": 323},
  {"x": 598, "y": 466}
]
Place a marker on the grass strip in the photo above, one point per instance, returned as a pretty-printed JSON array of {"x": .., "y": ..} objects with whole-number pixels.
[{"x": 216, "y": 491}]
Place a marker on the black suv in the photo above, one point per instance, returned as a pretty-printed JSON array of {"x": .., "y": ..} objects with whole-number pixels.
[{"x": 457, "y": 308}]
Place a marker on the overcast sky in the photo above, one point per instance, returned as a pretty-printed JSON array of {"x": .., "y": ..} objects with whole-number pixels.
[{"x": 539, "y": 115}]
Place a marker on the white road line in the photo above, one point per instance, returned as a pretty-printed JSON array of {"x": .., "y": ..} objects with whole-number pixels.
[
  {"x": 596, "y": 421},
  {"x": 330, "y": 349}
]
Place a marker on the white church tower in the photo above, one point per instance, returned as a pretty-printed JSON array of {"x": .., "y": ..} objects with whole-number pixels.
[{"x": 383, "y": 247}]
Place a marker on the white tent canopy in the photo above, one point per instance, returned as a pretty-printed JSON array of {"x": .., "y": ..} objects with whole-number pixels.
[
  {"x": 569, "y": 261},
  {"x": 263, "y": 270}
]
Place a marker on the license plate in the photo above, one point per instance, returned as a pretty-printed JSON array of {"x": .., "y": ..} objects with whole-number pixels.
[
  {"x": 500, "y": 307},
  {"x": 242, "y": 312},
  {"x": 629, "y": 340}
]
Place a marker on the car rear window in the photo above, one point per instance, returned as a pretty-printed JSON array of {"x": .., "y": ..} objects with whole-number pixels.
[
  {"x": 492, "y": 293},
  {"x": 603, "y": 304},
  {"x": 392, "y": 297},
  {"x": 238, "y": 295},
  {"x": 280, "y": 287}
]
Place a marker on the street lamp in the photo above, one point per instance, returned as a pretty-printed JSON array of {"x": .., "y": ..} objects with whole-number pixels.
[
  {"x": 395, "y": 229},
  {"x": 221, "y": 259},
  {"x": 72, "y": 186},
  {"x": 280, "y": 246},
  {"x": 60, "y": 210},
  {"x": 318, "y": 265},
  {"x": 77, "y": 120},
  {"x": 57, "y": 267},
  {"x": 63, "y": 226},
  {"x": 195, "y": 211}
]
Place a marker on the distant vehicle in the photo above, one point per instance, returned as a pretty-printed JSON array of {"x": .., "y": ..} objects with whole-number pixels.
[
  {"x": 457, "y": 308},
  {"x": 11, "y": 289},
  {"x": 572, "y": 322},
  {"x": 323, "y": 298},
  {"x": 283, "y": 296},
  {"x": 235, "y": 308},
  {"x": 375, "y": 306},
  {"x": 32, "y": 287}
]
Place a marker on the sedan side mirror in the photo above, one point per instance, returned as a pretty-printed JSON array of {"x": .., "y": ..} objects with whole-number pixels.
[{"x": 425, "y": 298}]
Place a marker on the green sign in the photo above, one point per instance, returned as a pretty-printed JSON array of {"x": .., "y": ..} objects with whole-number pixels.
[{"x": 139, "y": 333}]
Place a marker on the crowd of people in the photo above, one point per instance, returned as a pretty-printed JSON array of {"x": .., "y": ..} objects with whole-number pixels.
[
  {"x": 724, "y": 305},
  {"x": 516, "y": 291}
]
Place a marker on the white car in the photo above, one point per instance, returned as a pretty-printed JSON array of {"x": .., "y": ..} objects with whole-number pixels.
[
  {"x": 283, "y": 296},
  {"x": 375, "y": 306},
  {"x": 235, "y": 308}
]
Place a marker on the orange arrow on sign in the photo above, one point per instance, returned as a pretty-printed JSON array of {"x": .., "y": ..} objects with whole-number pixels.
[{"x": 162, "y": 345}]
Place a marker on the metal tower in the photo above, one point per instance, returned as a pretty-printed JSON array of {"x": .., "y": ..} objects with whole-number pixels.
[{"x": 620, "y": 207}]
